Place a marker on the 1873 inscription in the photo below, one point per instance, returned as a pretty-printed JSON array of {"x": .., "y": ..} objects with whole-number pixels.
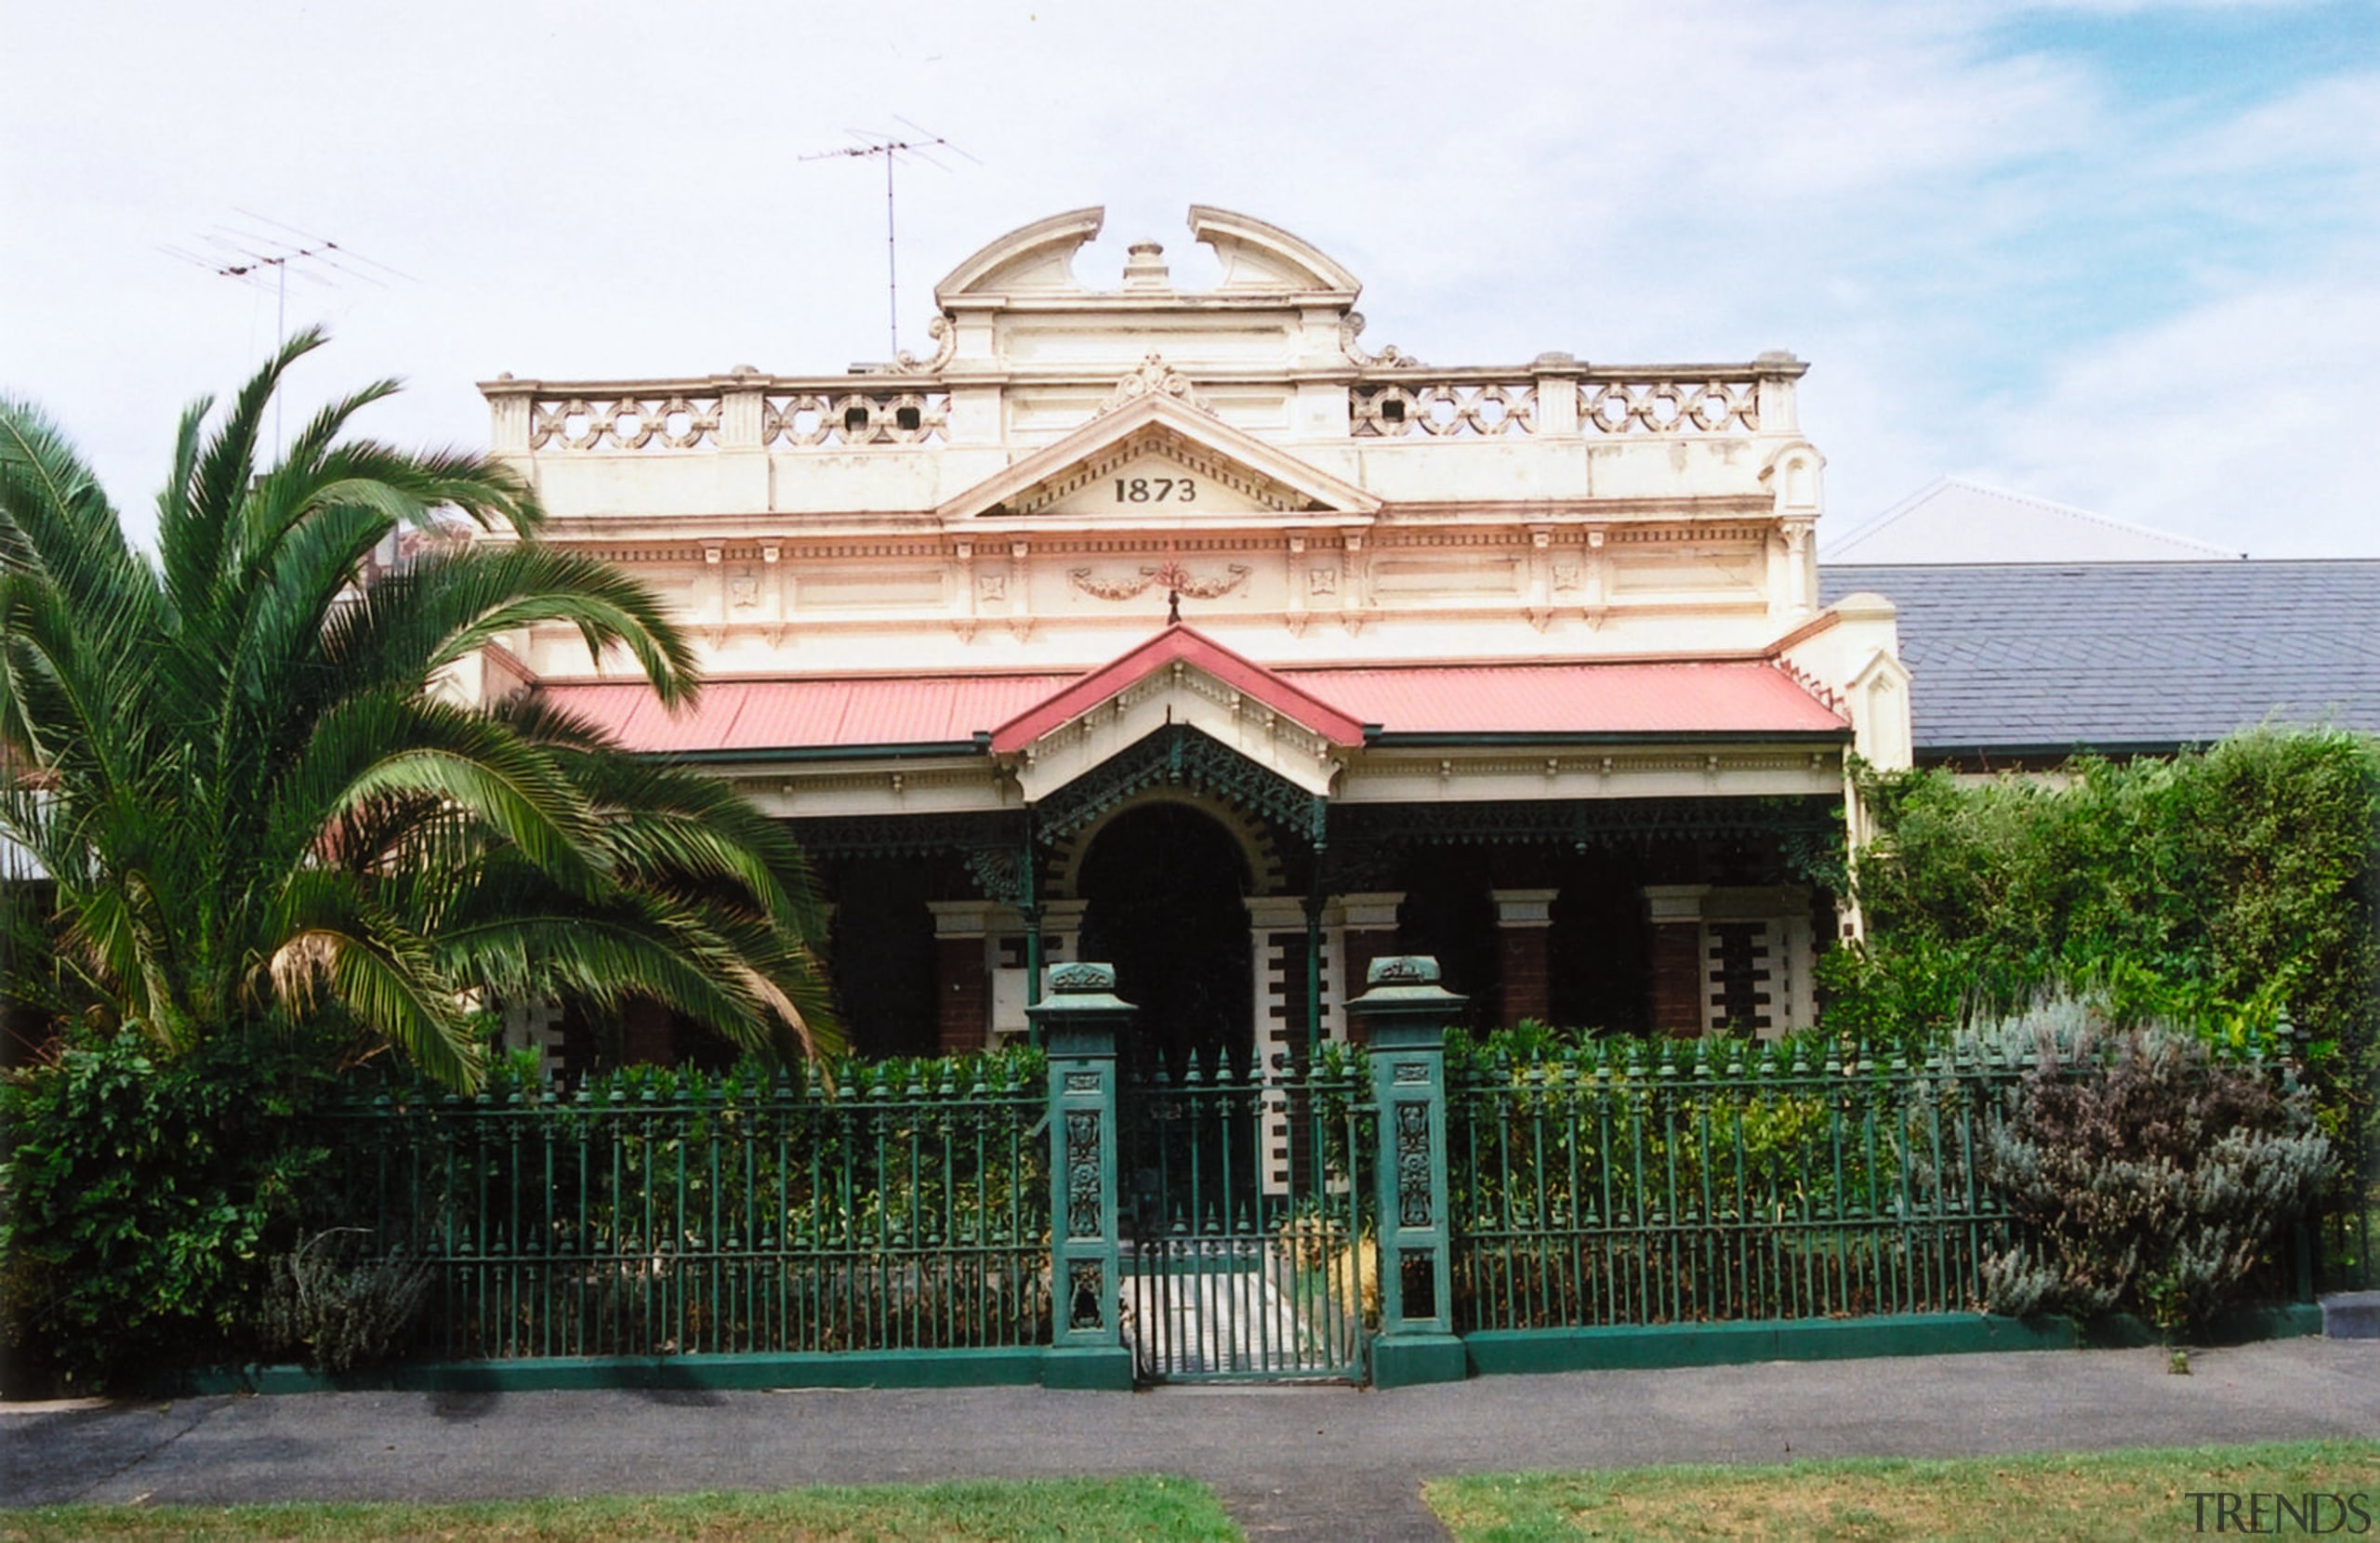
[{"x": 1157, "y": 490}]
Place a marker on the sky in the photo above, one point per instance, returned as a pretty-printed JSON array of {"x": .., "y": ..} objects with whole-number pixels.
[{"x": 2117, "y": 254}]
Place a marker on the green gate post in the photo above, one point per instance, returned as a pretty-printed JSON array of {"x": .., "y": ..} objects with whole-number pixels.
[
  {"x": 1407, "y": 1012},
  {"x": 1077, "y": 1019}
]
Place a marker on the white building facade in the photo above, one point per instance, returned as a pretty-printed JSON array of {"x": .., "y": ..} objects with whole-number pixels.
[{"x": 1179, "y": 630}]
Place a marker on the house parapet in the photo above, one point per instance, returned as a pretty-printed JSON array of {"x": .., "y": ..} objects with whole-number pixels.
[
  {"x": 1554, "y": 398},
  {"x": 1066, "y": 463}
]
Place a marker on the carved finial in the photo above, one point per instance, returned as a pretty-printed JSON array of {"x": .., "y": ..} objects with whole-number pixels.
[
  {"x": 1155, "y": 377},
  {"x": 1144, "y": 267}
]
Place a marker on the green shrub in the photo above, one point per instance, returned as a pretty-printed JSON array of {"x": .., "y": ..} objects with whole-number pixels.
[
  {"x": 340, "y": 1298},
  {"x": 2216, "y": 891},
  {"x": 141, "y": 1199},
  {"x": 2145, "y": 1175}
]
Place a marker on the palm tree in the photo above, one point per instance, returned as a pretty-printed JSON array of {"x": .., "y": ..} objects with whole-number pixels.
[{"x": 238, "y": 764}]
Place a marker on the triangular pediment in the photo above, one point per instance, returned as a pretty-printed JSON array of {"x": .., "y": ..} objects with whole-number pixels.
[
  {"x": 1158, "y": 454},
  {"x": 1178, "y": 678}
]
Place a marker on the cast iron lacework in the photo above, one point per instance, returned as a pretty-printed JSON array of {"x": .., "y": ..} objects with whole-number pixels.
[
  {"x": 1082, "y": 1173},
  {"x": 1412, "y": 1165},
  {"x": 906, "y": 834},
  {"x": 998, "y": 874},
  {"x": 1085, "y": 1281},
  {"x": 1366, "y": 837},
  {"x": 1180, "y": 756}
]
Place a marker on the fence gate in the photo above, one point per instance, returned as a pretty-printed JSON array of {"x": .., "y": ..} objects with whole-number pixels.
[{"x": 1244, "y": 1208}]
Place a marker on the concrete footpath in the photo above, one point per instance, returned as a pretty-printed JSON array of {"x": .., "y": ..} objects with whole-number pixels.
[{"x": 1289, "y": 1462}]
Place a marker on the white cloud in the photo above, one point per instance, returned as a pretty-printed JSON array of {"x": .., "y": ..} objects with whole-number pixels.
[
  {"x": 2246, "y": 420},
  {"x": 586, "y": 190}
]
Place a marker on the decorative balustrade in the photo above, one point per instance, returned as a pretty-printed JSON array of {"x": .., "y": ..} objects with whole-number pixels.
[
  {"x": 1713, "y": 406},
  {"x": 644, "y": 422},
  {"x": 1447, "y": 410},
  {"x": 803, "y": 419},
  {"x": 1476, "y": 404},
  {"x": 755, "y": 411},
  {"x": 663, "y": 418}
]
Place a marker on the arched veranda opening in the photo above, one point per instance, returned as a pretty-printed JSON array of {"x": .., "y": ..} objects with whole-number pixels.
[{"x": 1164, "y": 888}]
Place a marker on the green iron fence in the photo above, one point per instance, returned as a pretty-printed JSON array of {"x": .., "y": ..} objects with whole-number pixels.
[
  {"x": 1218, "y": 1224},
  {"x": 1714, "y": 1181},
  {"x": 2348, "y": 1232},
  {"x": 908, "y": 1209}
]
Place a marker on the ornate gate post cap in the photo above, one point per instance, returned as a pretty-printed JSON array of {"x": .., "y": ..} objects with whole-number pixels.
[
  {"x": 1076, "y": 978},
  {"x": 1406, "y": 983},
  {"x": 1082, "y": 979},
  {"x": 1405, "y": 1007},
  {"x": 1078, "y": 992},
  {"x": 1403, "y": 969}
]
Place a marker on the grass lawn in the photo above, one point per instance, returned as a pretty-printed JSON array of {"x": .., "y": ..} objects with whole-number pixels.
[
  {"x": 2103, "y": 1496},
  {"x": 1123, "y": 1509}
]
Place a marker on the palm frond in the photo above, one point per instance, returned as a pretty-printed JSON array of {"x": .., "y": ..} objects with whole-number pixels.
[
  {"x": 55, "y": 518},
  {"x": 333, "y": 937},
  {"x": 452, "y": 604},
  {"x": 252, "y": 798},
  {"x": 385, "y": 745},
  {"x": 198, "y": 525}
]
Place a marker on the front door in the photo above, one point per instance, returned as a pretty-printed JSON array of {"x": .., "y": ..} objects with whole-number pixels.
[{"x": 1162, "y": 887}]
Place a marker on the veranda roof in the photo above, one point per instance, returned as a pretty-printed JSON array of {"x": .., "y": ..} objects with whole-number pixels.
[
  {"x": 1668, "y": 699},
  {"x": 850, "y": 713}
]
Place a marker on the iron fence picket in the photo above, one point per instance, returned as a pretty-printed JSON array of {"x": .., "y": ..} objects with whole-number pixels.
[
  {"x": 713, "y": 1219},
  {"x": 1599, "y": 1187}
]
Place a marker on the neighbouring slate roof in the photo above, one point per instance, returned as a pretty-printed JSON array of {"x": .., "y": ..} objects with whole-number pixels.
[
  {"x": 1956, "y": 520},
  {"x": 2038, "y": 658}
]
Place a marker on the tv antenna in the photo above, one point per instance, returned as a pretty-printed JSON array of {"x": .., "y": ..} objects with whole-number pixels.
[
  {"x": 890, "y": 147},
  {"x": 262, "y": 259}
]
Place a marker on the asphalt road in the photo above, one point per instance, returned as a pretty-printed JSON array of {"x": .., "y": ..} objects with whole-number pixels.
[{"x": 1289, "y": 1462}]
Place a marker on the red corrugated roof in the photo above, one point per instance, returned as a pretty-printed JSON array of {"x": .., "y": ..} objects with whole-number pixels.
[
  {"x": 825, "y": 712},
  {"x": 1747, "y": 697},
  {"x": 813, "y": 712}
]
